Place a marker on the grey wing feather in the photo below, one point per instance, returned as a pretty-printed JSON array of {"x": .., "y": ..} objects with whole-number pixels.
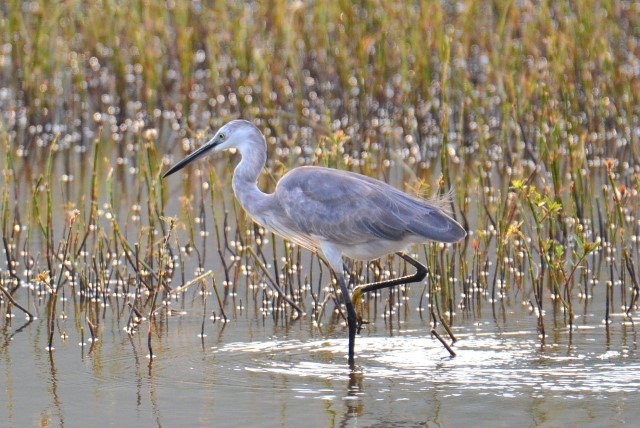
[{"x": 349, "y": 208}]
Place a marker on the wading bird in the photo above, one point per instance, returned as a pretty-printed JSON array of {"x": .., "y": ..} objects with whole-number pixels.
[{"x": 331, "y": 212}]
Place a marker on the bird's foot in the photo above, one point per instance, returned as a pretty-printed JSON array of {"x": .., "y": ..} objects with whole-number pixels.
[
  {"x": 356, "y": 299},
  {"x": 360, "y": 322}
]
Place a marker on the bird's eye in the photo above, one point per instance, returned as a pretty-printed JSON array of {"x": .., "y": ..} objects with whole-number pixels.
[{"x": 222, "y": 136}]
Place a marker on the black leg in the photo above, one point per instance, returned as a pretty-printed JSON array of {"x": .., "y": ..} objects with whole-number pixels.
[
  {"x": 351, "y": 317},
  {"x": 421, "y": 273}
]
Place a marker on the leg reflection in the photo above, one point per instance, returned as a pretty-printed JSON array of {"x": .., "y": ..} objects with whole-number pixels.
[{"x": 353, "y": 399}]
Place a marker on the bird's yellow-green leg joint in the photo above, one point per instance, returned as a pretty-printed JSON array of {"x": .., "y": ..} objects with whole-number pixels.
[{"x": 356, "y": 299}]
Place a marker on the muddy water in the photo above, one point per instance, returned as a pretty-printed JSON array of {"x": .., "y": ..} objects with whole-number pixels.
[
  {"x": 534, "y": 149},
  {"x": 259, "y": 369},
  {"x": 256, "y": 372}
]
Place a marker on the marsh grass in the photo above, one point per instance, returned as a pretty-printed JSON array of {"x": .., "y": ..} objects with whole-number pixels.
[{"x": 528, "y": 110}]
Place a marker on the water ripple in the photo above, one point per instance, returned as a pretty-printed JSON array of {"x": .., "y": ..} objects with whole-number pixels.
[{"x": 509, "y": 365}]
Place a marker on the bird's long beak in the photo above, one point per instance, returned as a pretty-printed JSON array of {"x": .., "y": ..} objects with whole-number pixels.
[{"x": 193, "y": 156}]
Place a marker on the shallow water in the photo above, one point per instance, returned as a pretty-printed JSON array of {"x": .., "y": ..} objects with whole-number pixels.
[
  {"x": 254, "y": 371},
  {"x": 539, "y": 149},
  {"x": 249, "y": 372}
]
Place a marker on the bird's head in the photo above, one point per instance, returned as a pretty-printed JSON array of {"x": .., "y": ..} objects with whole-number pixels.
[{"x": 237, "y": 134}]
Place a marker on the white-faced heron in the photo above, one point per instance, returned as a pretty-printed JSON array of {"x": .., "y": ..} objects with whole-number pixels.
[{"x": 331, "y": 212}]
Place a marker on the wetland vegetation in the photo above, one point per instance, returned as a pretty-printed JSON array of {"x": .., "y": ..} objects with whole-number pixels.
[{"x": 528, "y": 112}]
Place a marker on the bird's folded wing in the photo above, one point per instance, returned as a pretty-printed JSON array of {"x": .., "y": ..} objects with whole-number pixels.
[{"x": 350, "y": 209}]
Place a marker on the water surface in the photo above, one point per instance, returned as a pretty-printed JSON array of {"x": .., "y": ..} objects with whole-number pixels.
[{"x": 249, "y": 372}]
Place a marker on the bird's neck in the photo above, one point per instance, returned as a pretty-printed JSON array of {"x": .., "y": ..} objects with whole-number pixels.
[{"x": 245, "y": 179}]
